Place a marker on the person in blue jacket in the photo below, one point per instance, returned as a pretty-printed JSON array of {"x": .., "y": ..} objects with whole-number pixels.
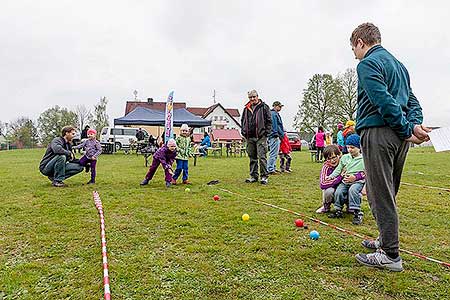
[
  {"x": 205, "y": 144},
  {"x": 389, "y": 117},
  {"x": 275, "y": 137}
]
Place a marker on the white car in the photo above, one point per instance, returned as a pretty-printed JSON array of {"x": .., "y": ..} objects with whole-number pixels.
[{"x": 120, "y": 136}]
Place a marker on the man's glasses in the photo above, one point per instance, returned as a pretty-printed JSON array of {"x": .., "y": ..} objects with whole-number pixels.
[{"x": 250, "y": 97}]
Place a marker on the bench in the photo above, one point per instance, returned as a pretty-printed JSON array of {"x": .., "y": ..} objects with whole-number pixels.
[
  {"x": 196, "y": 154},
  {"x": 215, "y": 150},
  {"x": 107, "y": 148}
]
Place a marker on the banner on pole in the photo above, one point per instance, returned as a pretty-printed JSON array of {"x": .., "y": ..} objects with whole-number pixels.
[{"x": 168, "y": 126}]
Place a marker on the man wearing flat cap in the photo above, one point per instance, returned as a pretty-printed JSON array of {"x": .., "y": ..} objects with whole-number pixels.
[
  {"x": 256, "y": 124},
  {"x": 275, "y": 137}
]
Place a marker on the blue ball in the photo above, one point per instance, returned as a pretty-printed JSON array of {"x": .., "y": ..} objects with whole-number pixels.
[{"x": 314, "y": 235}]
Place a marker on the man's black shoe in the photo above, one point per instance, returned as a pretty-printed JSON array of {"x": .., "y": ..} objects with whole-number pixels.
[{"x": 251, "y": 180}]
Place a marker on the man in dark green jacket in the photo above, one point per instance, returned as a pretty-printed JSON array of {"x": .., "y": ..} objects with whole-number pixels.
[
  {"x": 389, "y": 117},
  {"x": 56, "y": 163},
  {"x": 256, "y": 125}
]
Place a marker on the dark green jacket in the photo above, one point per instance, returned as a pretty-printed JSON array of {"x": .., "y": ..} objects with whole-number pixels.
[
  {"x": 58, "y": 146},
  {"x": 385, "y": 97}
]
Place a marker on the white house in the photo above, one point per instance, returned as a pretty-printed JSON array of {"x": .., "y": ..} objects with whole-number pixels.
[{"x": 220, "y": 117}]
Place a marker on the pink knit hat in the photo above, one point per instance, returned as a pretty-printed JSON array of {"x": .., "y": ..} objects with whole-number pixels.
[{"x": 92, "y": 131}]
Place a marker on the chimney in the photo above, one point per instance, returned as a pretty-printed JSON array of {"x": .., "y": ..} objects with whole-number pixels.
[{"x": 149, "y": 100}]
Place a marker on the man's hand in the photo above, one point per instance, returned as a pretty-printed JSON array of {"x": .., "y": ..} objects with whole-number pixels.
[
  {"x": 349, "y": 178},
  {"x": 421, "y": 132},
  {"x": 414, "y": 139}
]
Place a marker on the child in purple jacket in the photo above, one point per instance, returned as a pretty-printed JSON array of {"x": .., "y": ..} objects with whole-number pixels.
[
  {"x": 332, "y": 155},
  {"x": 164, "y": 156},
  {"x": 92, "y": 149}
]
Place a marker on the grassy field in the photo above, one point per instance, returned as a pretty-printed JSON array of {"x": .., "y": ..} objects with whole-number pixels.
[{"x": 170, "y": 244}]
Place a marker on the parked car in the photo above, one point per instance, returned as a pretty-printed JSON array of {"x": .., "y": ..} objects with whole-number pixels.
[
  {"x": 304, "y": 144},
  {"x": 122, "y": 137},
  {"x": 294, "y": 141}
]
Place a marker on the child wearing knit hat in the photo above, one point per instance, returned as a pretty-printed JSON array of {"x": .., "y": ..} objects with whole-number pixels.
[
  {"x": 92, "y": 149},
  {"x": 351, "y": 168},
  {"x": 184, "y": 151},
  {"x": 164, "y": 157}
]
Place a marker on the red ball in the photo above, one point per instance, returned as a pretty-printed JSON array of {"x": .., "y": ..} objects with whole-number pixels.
[
  {"x": 216, "y": 198},
  {"x": 299, "y": 223}
]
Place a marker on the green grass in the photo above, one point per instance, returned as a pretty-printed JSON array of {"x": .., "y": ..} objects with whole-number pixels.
[{"x": 169, "y": 244}]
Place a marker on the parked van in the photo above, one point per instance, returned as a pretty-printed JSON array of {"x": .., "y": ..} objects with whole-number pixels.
[{"x": 120, "y": 136}]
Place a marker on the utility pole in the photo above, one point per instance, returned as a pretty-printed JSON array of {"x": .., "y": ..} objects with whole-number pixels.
[{"x": 214, "y": 96}]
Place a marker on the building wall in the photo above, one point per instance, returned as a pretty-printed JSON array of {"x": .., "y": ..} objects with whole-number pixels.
[{"x": 220, "y": 119}]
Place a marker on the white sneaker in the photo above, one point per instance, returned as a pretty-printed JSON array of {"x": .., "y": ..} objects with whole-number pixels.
[
  {"x": 371, "y": 244},
  {"x": 321, "y": 210},
  {"x": 380, "y": 260}
]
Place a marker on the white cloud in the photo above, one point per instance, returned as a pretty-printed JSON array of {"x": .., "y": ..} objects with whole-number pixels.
[{"x": 69, "y": 53}]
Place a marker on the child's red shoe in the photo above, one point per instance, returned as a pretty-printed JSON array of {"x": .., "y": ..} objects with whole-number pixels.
[{"x": 173, "y": 181}]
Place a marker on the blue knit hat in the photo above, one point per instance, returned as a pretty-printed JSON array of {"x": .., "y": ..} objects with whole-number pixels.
[{"x": 353, "y": 140}]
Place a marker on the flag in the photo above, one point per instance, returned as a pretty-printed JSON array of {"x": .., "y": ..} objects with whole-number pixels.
[{"x": 168, "y": 126}]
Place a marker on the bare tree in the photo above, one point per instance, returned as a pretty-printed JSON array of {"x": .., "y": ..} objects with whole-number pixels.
[
  {"x": 348, "y": 95},
  {"x": 84, "y": 116},
  {"x": 100, "y": 119},
  {"x": 3, "y": 128}
]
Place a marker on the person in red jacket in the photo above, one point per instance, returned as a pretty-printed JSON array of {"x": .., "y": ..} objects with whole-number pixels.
[{"x": 285, "y": 154}]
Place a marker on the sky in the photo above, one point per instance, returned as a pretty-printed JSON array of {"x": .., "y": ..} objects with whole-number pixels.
[{"x": 71, "y": 53}]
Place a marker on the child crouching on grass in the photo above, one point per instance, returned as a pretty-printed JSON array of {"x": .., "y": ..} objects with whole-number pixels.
[
  {"x": 184, "y": 151},
  {"x": 332, "y": 155},
  {"x": 285, "y": 154},
  {"x": 92, "y": 149},
  {"x": 351, "y": 167},
  {"x": 164, "y": 156}
]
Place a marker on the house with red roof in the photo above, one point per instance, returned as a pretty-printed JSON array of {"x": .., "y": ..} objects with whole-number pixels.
[{"x": 220, "y": 117}]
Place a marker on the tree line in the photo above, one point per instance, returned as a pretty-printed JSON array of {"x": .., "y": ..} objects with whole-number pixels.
[
  {"x": 326, "y": 101},
  {"x": 27, "y": 133}
]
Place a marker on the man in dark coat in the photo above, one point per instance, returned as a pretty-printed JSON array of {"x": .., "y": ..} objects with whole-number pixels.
[{"x": 256, "y": 125}]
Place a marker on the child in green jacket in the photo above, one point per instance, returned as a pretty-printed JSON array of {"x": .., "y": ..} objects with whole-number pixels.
[
  {"x": 184, "y": 151},
  {"x": 351, "y": 167}
]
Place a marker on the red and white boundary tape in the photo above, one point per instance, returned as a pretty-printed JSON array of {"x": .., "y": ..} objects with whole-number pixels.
[
  {"x": 349, "y": 232},
  {"x": 98, "y": 205},
  {"x": 426, "y": 186}
]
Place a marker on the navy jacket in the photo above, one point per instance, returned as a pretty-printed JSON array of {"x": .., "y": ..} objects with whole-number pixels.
[{"x": 385, "y": 97}]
